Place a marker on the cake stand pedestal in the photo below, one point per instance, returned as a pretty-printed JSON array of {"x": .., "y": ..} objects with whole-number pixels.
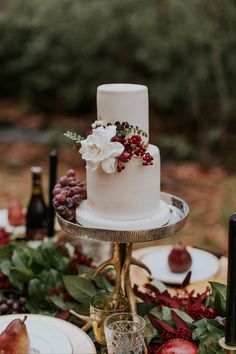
[{"x": 122, "y": 241}]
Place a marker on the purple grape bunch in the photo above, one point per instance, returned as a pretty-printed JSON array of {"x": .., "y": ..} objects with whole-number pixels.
[
  {"x": 12, "y": 304},
  {"x": 68, "y": 194}
]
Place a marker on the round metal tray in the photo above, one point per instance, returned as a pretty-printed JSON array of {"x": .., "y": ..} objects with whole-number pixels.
[{"x": 178, "y": 216}]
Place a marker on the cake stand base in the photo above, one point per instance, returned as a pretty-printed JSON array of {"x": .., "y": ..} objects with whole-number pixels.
[
  {"x": 121, "y": 261},
  {"x": 122, "y": 241}
]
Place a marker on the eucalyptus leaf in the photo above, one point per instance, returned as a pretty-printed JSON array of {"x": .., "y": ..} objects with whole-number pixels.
[
  {"x": 213, "y": 325},
  {"x": 58, "y": 301},
  {"x": 218, "y": 298},
  {"x": 83, "y": 308},
  {"x": 163, "y": 313},
  {"x": 6, "y": 252},
  {"x": 22, "y": 275},
  {"x": 208, "y": 332},
  {"x": 200, "y": 330},
  {"x": 150, "y": 331},
  {"x": 88, "y": 271},
  {"x": 166, "y": 314},
  {"x": 103, "y": 283},
  {"x": 39, "y": 262},
  {"x": 144, "y": 308},
  {"x": 54, "y": 279},
  {"x": 211, "y": 343},
  {"x": 79, "y": 288},
  {"x": 36, "y": 308},
  {"x": 54, "y": 259},
  {"x": 21, "y": 257},
  {"x": 157, "y": 311},
  {"x": 37, "y": 291},
  {"x": 188, "y": 319},
  {"x": 158, "y": 284},
  {"x": 202, "y": 349},
  {"x": 15, "y": 282},
  {"x": 199, "y": 333},
  {"x": 43, "y": 276},
  {"x": 5, "y": 267}
]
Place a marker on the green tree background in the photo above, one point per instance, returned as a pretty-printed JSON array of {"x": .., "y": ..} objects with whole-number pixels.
[{"x": 54, "y": 53}]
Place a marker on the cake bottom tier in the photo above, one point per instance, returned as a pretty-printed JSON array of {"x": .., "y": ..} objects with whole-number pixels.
[{"x": 88, "y": 219}]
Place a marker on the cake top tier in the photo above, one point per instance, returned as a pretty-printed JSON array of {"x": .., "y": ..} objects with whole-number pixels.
[{"x": 124, "y": 103}]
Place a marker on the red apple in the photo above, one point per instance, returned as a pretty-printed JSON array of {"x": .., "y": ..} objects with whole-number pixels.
[{"x": 178, "y": 346}]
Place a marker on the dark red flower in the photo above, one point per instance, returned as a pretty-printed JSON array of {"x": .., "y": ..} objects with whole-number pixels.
[
  {"x": 193, "y": 305},
  {"x": 166, "y": 331}
]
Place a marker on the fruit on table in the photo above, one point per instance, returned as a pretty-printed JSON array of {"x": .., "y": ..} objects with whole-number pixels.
[
  {"x": 178, "y": 346},
  {"x": 15, "y": 214},
  {"x": 15, "y": 339},
  {"x": 179, "y": 259},
  {"x": 11, "y": 304}
]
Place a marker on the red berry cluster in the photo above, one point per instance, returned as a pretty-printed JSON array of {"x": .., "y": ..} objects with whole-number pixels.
[
  {"x": 148, "y": 159},
  {"x": 79, "y": 258},
  {"x": 133, "y": 145},
  {"x": 60, "y": 290},
  {"x": 68, "y": 194},
  {"x": 4, "y": 281},
  {"x": 183, "y": 333},
  {"x": 197, "y": 312}
]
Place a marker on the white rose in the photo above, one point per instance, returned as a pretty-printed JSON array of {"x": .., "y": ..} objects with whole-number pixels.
[{"x": 98, "y": 149}]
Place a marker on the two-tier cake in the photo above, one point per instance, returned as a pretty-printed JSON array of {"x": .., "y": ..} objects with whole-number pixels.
[{"x": 122, "y": 168}]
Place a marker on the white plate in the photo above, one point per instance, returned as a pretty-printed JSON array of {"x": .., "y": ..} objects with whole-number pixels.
[
  {"x": 43, "y": 338},
  {"x": 204, "y": 264},
  {"x": 52, "y": 335},
  {"x": 4, "y": 218}
]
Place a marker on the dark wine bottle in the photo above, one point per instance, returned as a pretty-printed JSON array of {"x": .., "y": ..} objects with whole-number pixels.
[{"x": 36, "y": 216}]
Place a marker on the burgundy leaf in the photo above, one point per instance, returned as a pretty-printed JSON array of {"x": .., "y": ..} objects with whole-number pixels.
[
  {"x": 186, "y": 280},
  {"x": 179, "y": 322},
  {"x": 143, "y": 296},
  {"x": 160, "y": 325},
  {"x": 152, "y": 288}
]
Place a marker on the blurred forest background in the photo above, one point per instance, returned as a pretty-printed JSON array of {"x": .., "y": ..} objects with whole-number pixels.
[{"x": 53, "y": 55}]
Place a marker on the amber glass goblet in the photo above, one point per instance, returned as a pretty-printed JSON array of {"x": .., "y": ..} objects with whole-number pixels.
[{"x": 101, "y": 306}]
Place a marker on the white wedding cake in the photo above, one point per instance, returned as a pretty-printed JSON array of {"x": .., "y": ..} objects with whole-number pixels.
[{"x": 122, "y": 168}]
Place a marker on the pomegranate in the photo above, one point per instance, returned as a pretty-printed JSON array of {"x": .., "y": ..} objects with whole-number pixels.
[
  {"x": 179, "y": 259},
  {"x": 178, "y": 346}
]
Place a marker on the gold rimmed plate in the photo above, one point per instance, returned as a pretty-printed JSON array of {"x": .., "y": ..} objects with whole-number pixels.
[{"x": 52, "y": 335}]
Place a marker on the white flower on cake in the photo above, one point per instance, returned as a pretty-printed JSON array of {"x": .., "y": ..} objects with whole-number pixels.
[
  {"x": 98, "y": 149},
  {"x": 97, "y": 123}
]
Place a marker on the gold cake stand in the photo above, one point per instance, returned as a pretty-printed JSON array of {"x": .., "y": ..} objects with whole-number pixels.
[{"x": 122, "y": 241}]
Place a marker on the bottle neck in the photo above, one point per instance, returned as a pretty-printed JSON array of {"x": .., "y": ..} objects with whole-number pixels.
[{"x": 36, "y": 184}]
